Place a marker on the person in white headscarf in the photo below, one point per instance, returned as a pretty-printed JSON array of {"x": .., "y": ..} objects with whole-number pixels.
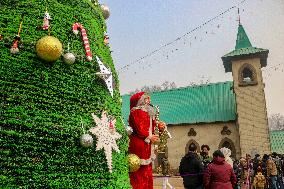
[{"x": 227, "y": 154}]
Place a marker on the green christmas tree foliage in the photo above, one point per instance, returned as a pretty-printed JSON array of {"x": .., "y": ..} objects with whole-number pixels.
[{"x": 43, "y": 106}]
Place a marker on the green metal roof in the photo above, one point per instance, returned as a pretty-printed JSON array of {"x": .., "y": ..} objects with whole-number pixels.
[
  {"x": 244, "y": 50},
  {"x": 277, "y": 141},
  {"x": 242, "y": 38},
  {"x": 199, "y": 104}
]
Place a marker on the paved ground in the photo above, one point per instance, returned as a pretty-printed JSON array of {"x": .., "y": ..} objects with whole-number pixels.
[{"x": 175, "y": 181}]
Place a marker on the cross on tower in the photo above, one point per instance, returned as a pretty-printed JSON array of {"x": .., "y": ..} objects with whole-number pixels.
[{"x": 239, "y": 16}]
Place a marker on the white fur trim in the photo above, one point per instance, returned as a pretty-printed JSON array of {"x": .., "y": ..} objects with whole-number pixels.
[
  {"x": 145, "y": 161},
  {"x": 141, "y": 100},
  {"x": 147, "y": 140},
  {"x": 75, "y": 32},
  {"x": 89, "y": 58}
]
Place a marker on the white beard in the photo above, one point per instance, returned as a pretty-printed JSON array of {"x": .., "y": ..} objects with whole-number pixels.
[{"x": 151, "y": 110}]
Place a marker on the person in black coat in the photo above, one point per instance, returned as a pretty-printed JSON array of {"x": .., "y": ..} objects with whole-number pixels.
[
  {"x": 191, "y": 169},
  {"x": 256, "y": 163}
]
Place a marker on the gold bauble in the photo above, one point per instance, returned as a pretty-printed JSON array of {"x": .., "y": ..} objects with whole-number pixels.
[
  {"x": 49, "y": 48},
  {"x": 134, "y": 162}
]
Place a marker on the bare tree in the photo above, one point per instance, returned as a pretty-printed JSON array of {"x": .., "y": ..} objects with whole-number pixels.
[
  {"x": 166, "y": 85},
  {"x": 170, "y": 85},
  {"x": 153, "y": 88},
  {"x": 146, "y": 89},
  {"x": 276, "y": 122},
  {"x": 156, "y": 88},
  {"x": 202, "y": 81},
  {"x": 173, "y": 85}
]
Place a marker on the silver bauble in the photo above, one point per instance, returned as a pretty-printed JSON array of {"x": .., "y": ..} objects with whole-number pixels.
[
  {"x": 105, "y": 10},
  {"x": 69, "y": 58},
  {"x": 86, "y": 140}
]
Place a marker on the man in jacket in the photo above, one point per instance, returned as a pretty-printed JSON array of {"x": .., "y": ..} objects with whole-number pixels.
[
  {"x": 271, "y": 172},
  {"x": 191, "y": 169},
  {"x": 204, "y": 155}
]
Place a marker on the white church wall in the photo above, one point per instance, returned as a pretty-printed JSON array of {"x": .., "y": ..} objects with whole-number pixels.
[{"x": 209, "y": 134}]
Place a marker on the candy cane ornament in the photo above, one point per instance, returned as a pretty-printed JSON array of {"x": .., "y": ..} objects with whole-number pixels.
[
  {"x": 75, "y": 28},
  {"x": 14, "y": 49}
]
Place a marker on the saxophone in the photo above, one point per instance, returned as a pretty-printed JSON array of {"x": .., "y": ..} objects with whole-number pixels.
[{"x": 157, "y": 118}]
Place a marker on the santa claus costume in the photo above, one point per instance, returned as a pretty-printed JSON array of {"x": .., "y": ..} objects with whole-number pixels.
[{"x": 141, "y": 120}]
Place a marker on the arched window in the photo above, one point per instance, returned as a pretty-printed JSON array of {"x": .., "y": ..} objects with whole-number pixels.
[
  {"x": 247, "y": 75},
  {"x": 194, "y": 143},
  {"x": 228, "y": 143}
]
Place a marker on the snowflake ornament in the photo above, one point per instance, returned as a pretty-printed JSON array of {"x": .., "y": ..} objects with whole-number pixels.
[
  {"x": 106, "y": 136},
  {"x": 106, "y": 74}
]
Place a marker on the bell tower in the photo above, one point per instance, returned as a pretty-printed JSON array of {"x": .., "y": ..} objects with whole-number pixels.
[{"x": 245, "y": 63}]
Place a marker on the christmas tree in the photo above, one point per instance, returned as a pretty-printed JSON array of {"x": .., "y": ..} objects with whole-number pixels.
[{"x": 60, "y": 123}]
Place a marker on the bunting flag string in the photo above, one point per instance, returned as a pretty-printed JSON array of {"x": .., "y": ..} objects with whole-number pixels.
[
  {"x": 183, "y": 37},
  {"x": 268, "y": 72}
]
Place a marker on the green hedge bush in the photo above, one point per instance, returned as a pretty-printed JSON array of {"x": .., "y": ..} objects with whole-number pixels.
[{"x": 42, "y": 104}]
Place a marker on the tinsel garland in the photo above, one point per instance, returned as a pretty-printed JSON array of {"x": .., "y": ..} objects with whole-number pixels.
[{"x": 42, "y": 104}]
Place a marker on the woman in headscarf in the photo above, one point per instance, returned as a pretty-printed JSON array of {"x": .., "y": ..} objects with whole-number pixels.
[{"x": 227, "y": 154}]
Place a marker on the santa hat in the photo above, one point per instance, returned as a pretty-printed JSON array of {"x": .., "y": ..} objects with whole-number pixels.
[{"x": 137, "y": 99}]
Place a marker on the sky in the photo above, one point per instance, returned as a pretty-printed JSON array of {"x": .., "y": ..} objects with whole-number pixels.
[{"x": 138, "y": 27}]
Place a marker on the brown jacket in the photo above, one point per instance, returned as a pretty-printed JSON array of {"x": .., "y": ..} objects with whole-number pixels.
[
  {"x": 271, "y": 168},
  {"x": 259, "y": 180}
]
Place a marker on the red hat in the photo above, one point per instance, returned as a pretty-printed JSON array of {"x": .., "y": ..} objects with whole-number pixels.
[{"x": 135, "y": 98}]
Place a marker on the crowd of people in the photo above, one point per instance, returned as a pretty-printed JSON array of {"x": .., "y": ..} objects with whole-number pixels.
[{"x": 201, "y": 171}]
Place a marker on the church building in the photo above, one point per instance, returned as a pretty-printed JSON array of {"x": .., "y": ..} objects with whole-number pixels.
[{"x": 228, "y": 114}]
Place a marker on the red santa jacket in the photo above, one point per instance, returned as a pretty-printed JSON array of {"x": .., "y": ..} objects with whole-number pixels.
[{"x": 139, "y": 120}]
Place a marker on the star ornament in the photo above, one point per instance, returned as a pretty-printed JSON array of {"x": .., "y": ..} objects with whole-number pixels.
[
  {"x": 106, "y": 136},
  {"x": 106, "y": 74}
]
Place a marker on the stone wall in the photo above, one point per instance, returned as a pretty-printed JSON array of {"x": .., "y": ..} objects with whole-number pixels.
[
  {"x": 251, "y": 110},
  {"x": 205, "y": 134}
]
